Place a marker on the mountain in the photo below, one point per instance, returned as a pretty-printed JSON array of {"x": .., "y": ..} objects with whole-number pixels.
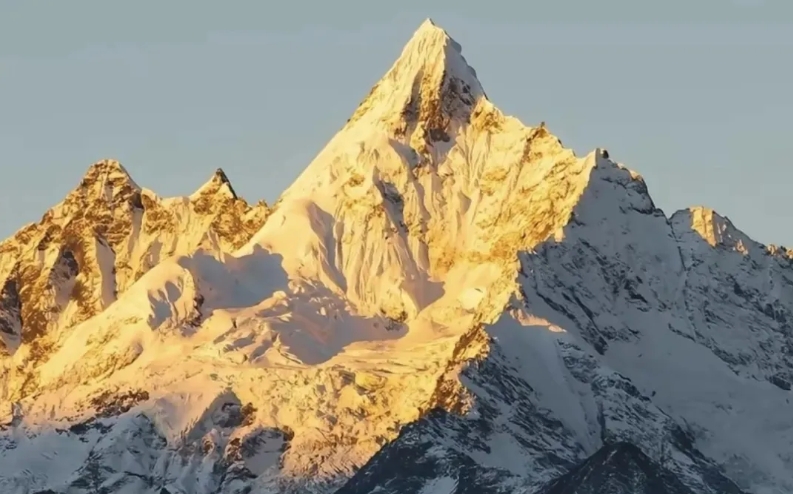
[
  {"x": 445, "y": 301},
  {"x": 90, "y": 248},
  {"x": 619, "y": 468}
]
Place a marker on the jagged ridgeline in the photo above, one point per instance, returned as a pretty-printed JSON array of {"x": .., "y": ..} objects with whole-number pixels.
[
  {"x": 105, "y": 235},
  {"x": 445, "y": 301}
]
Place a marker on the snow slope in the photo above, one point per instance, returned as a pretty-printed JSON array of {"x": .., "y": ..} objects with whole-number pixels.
[{"x": 445, "y": 301}]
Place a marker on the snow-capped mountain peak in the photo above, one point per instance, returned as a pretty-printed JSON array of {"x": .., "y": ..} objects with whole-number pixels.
[
  {"x": 217, "y": 184},
  {"x": 107, "y": 170},
  {"x": 715, "y": 229},
  {"x": 445, "y": 301},
  {"x": 430, "y": 84},
  {"x": 106, "y": 181}
]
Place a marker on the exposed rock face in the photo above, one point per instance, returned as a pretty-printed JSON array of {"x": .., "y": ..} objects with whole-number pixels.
[{"x": 445, "y": 301}]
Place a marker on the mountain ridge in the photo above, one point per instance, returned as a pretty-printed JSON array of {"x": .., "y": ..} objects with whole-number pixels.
[
  {"x": 108, "y": 214},
  {"x": 442, "y": 283}
]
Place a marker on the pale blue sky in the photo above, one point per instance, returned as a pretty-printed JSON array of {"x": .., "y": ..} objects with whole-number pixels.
[{"x": 694, "y": 94}]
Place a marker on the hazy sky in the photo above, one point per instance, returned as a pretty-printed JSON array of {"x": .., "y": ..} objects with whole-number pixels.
[{"x": 694, "y": 94}]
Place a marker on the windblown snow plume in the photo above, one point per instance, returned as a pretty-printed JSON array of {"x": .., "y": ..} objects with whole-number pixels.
[{"x": 446, "y": 301}]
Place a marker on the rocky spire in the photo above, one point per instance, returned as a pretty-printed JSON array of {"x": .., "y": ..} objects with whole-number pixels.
[{"x": 217, "y": 184}]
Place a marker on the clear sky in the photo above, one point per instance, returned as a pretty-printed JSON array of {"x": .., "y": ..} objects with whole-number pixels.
[{"x": 693, "y": 94}]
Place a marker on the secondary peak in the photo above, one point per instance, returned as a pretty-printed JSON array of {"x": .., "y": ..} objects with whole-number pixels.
[{"x": 217, "y": 183}]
